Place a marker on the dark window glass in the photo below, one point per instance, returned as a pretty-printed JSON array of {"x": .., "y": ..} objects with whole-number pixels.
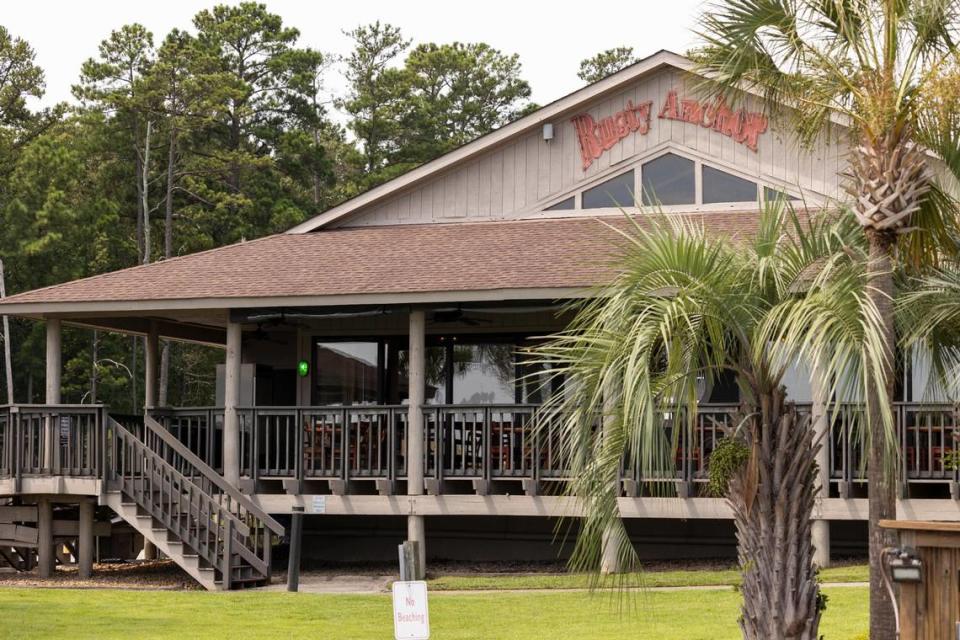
[
  {"x": 720, "y": 186},
  {"x": 484, "y": 374},
  {"x": 563, "y": 205},
  {"x": 347, "y": 373},
  {"x": 398, "y": 381},
  {"x": 668, "y": 180},
  {"x": 770, "y": 194},
  {"x": 615, "y": 192}
]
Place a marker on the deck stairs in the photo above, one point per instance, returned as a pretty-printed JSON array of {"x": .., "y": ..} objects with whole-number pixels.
[{"x": 189, "y": 511}]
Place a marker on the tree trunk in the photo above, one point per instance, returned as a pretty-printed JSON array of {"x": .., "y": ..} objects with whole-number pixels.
[
  {"x": 881, "y": 471},
  {"x": 772, "y": 500},
  {"x": 164, "y": 382}
]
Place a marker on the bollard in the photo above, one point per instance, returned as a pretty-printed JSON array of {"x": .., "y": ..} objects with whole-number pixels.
[{"x": 296, "y": 534}]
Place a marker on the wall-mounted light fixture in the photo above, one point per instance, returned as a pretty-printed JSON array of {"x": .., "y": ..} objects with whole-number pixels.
[
  {"x": 906, "y": 567},
  {"x": 548, "y": 132}
]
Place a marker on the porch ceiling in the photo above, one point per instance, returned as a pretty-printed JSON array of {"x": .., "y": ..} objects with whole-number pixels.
[{"x": 407, "y": 264}]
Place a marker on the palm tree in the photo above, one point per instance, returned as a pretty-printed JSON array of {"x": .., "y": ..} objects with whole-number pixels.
[
  {"x": 685, "y": 307},
  {"x": 865, "y": 63}
]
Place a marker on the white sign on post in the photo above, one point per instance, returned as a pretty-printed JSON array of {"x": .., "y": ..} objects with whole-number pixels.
[
  {"x": 411, "y": 620},
  {"x": 319, "y": 504}
]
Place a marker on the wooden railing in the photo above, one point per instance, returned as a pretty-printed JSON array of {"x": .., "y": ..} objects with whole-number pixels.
[
  {"x": 490, "y": 442},
  {"x": 497, "y": 442},
  {"x": 175, "y": 487},
  {"x": 59, "y": 440}
]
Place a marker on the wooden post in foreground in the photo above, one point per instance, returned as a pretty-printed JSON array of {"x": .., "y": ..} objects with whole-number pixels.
[
  {"x": 46, "y": 560},
  {"x": 86, "y": 539},
  {"x": 296, "y": 538},
  {"x": 409, "y": 561}
]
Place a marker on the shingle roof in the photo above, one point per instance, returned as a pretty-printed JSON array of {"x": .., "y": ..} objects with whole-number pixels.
[{"x": 460, "y": 257}]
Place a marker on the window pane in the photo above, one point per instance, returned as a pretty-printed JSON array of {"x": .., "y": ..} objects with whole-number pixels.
[
  {"x": 399, "y": 379},
  {"x": 346, "y": 373},
  {"x": 563, "y": 205},
  {"x": 668, "y": 180},
  {"x": 484, "y": 374},
  {"x": 770, "y": 194},
  {"x": 615, "y": 192},
  {"x": 720, "y": 186}
]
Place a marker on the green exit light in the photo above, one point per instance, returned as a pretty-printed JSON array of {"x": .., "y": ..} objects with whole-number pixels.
[{"x": 303, "y": 368}]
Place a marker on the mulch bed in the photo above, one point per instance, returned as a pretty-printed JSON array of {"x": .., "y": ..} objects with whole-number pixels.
[{"x": 143, "y": 575}]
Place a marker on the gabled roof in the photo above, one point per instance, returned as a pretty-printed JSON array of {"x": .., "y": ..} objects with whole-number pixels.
[
  {"x": 404, "y": 264},
  {"x": 530, "y": 122}
]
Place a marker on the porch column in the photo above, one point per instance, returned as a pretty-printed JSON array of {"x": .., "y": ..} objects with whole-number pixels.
[
  {"x": 151, "y": 349},
  {"x": 86, "y": 539},
  {"x": 54, "y": 368},
  {"x": 151, "y": 360},
  {"x": 46, "y": 560},
  {"x": 821, "y": 433},
  {"x": 231, "y": 397},
  {"x": 416, "y": 381}
]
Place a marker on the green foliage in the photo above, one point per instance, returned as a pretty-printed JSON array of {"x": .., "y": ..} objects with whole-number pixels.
[
  {"x": 205, "y": 137},
  {"x": 729, "y": 456},
  {"x": 441, "y": 97},
  {"x": 606, "y": 63}
]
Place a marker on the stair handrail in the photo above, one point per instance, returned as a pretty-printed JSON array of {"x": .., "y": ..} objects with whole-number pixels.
[
  {"x": 212, "y": 476},
  {"x": 183, "y": 479}
]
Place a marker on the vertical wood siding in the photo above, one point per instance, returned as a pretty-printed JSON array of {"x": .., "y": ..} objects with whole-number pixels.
[{"x": 525, "y": 174}]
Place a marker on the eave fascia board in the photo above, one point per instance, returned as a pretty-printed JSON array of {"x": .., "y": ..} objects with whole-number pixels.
[{"x": 41, "y": 310}]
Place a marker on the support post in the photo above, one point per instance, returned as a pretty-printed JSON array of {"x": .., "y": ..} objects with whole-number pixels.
[
  {"x": 150, "y": 352},
  {"x": 231, "y": 397},
  {"x": 54, "y": 368},
  {"x": 45, "y": 557},
  {"x": 296, "y": 540},
  {"x": 7, "y": 357},
  {"x": 85, "y": 552},
  {"x": 820, "y": 409},
  {"x": 150, "y": 368},
  {"x": 417, "y": 385}
]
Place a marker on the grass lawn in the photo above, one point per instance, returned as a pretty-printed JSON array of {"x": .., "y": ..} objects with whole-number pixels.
[
  {"x": 673, "y": 578},
  {"x": 680, "y": 615}
]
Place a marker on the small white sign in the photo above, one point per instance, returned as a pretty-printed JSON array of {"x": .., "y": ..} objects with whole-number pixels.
[
  {"x": 411, "y": 620},
  {"x": 319, "y": 504}
]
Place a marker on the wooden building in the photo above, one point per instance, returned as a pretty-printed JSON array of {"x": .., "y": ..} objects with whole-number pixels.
[{"x": 338, "y": 391}]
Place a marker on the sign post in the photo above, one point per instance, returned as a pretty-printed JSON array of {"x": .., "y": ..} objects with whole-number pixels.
[{"x": 411, "y": 619}]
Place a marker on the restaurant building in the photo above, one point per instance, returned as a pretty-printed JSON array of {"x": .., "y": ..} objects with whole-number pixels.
[{"x": 371, "y": 373}]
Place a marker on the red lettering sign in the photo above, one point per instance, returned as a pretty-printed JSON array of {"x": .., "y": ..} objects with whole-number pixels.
[
  {"x": 597, "y": 137},
  {"x": 742, "y": 126}
]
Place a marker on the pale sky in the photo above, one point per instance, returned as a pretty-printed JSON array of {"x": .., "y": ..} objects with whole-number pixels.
[{"x": 551, "y": 38}]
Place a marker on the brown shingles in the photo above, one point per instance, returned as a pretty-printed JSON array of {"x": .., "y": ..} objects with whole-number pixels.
[{"x": 527, "y": 254}]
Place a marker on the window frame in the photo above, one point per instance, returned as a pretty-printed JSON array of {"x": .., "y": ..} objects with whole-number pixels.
[{"x": 636, "y": 164}]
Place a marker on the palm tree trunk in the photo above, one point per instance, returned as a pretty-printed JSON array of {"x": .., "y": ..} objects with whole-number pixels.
[
  {"x": 881, "y": 476},
  {"x": 772, "y": 501}
]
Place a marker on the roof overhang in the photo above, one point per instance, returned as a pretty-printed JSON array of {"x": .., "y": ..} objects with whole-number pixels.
[{"x": 40, "y": 310}]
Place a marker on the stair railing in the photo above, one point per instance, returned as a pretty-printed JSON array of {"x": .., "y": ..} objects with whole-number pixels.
[{"x": 190, "y": 499}]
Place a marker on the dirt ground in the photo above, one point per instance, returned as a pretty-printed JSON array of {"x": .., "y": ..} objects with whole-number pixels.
[{"x": 152, "y": 575}]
